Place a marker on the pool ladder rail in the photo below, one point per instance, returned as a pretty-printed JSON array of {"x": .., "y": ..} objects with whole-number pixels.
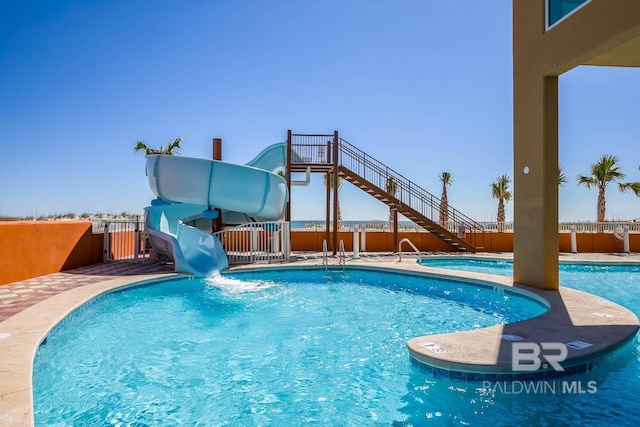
[
  {"x": 415, "y": 249},
  {"x": 343, "y": 255},
  {"x": 325, "y": 258}
]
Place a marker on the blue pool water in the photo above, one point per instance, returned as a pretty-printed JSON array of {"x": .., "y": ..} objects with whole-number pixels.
[
  {"x": 264, "y": 348},
  {"x": 293, "y": 348},
  {"x": 618, "y": 283}
]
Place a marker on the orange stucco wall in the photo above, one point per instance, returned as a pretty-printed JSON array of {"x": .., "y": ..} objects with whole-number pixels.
[
  {"x": 381, "y": 241},
  {"x": 31, "y": 249},
  {"x": 493, "y": 242},
  {"x": 122, "y": 245}
]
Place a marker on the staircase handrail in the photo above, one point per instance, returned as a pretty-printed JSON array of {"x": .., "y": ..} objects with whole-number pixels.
[
  {"x": 318, "y": 149},
  {"x": 348, "y": 150}
]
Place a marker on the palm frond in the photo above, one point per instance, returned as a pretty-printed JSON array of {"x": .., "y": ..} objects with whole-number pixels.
[
  {"x": 391, "y": 186},
  {"x": 562, "y": 177},
  {"x": 141, "y": 146},
  {"x": 500, "y": 188},
  {"x": 170, "y": 149},
  {"x": 173, "y": 145},
  {"x": 327, "y": 180},
  {"x": 588, "y": 181},
  {"x": 633, "y": 186},
  {"x": 446, "y": 179}
]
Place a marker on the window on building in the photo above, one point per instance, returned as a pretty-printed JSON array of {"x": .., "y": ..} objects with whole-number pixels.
[{"x": 558, "y": 9}]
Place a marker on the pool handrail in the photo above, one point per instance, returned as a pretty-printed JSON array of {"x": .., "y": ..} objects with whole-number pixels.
[
  {"x": 415, "y": 249},
  {"x": 343, "y": 255},
  {"x": 325, "y": 261}
]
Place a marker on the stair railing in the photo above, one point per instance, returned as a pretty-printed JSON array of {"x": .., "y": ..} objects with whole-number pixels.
[
  {"x": 317, "y": 150},
  {"x": 407, "y": 192}
]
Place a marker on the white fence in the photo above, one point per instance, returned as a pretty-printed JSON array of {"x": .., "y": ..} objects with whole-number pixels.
[
  {"x": 264, "y": 242},
  {"x": 580, "y": 227},
  {"x": 507, "y": 227},
  {"x": 123, "y": 239},
  {"x": 259, "y": 242}
]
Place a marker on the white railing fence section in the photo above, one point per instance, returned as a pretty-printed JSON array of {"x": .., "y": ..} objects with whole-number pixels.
[
  {"x": 123, "y": 239},
  {"x": 599, "y": 227},
  {"x": 271, "y": 241},
  {"x": 257, "y": 242},
  {"x": 248, "y": 243},
  {"x": 507, "y": 227}
]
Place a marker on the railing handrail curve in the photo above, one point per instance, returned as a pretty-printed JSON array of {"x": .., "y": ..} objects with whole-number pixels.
[{"x": 415, "y": 249}]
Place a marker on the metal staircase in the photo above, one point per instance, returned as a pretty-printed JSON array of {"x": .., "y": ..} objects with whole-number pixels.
[{"x": 372, "y": 176}]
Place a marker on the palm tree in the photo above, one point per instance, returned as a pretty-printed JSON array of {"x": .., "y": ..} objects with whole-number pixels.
[
  {"x": 391, "y": 187},
  {"x": 446, "y": 180},
  {"x": 327, "y": 179},
  {"x": 603, "y": 172},
  {"x": 562, "y": 177},
  {"x": 172, "y": 145},
  {"x": 500, "y": 190}
]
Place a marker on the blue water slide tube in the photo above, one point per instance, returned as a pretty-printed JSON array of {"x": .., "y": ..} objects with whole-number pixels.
[
  {"x": 271, "y": 158},
  {"x": 217, "y": 184},
  {"x": 193, "y": 251},
  {"x": 188, "y": 187}
]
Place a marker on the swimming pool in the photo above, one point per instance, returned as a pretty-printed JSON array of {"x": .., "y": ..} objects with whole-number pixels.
[
  {"x": 616, "y": 399},
  {"x": 265, "y": 348},
  {"x": 618, "y": 282}
]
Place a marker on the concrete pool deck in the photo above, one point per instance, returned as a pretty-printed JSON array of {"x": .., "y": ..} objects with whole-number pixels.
[{"x": 31, "y": 308}]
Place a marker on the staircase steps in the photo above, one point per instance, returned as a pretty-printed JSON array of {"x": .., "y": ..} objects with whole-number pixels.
[
  {"x": 420, "y": 219},
  {"x": 375, "y": 178}
]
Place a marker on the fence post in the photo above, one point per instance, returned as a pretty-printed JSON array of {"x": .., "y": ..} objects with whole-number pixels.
[
  {"x": 356, "y": 243},
  {"x": 253, "y": 242},
  {"x": 105, "y": 245},
  {"x": 574, "y": 243},
  {"x": 136, "y": 244},
  {"x": 286, "y": 239},
  {"x": 626, "y": 240},
  {"x": 277, "y": 235},
  {"x": 363, "y": 238}
]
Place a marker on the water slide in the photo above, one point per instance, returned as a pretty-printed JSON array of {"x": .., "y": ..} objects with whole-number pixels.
[{"x": 189, "y": 188}]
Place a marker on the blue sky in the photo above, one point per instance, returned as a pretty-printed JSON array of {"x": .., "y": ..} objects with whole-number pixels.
[{"x": 422, "y": 86}]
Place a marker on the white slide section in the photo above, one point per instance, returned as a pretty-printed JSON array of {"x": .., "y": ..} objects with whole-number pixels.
[{"x": 188, "y": 186}]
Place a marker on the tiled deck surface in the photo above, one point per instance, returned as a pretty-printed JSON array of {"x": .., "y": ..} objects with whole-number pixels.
[
  {"x": 30, "y": 308},
  {"x": 17, "y": 296}
]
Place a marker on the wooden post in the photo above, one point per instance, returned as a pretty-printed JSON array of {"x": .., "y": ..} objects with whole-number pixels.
[
  {"x": 327, "y": 219},
  {"x": 287, "y": 176},
  {"x": 335, "y": 191},
  {"x": 216, "y": 224},
  {"x": 395, "y": 228},
  {"x": 328, "y": 189}
]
